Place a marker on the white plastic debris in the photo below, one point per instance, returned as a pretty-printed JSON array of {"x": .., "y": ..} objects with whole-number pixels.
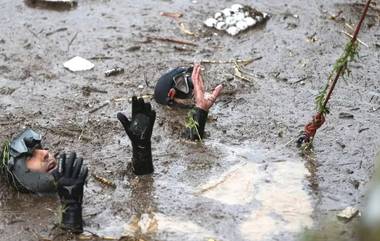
[
  {"x": 237, "y": 7},
  {"x": 233, "y": 31},
  {"x": 259, "y": 18},
  {"x": 218, "y": 15},
  {"x": 210, "y": 22},
  {"x": 236, "y": 19},
  {"x": 242, "y": 25},
  {"x": 348, "y": 213},
  {"x": 230, "y": 21},
  {"x": 78, "y": 64},
  {"x": 250, "y": 21},
  {"x": 221, "y": 26},
  {"x": 227, "y": 12},
  {"x": 239, "y": 16}
]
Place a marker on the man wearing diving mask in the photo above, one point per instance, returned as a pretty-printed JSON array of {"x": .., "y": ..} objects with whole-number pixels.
[
  {"x": 30, "y": 168},
  {"x": 181, "y": 84}
]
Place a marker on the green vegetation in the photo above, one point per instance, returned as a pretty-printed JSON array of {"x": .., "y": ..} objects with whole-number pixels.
[
  {"x": 351, "y": 51},
  {"x": 191, "y": 123},
  {"x": 4, "y": 170},
  {"x": 4, "y": 157}
]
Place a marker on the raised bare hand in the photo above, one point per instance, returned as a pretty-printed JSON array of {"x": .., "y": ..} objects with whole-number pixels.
[{"x": 203, "y": 100}]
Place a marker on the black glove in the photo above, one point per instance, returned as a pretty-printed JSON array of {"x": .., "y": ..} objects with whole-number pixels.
[
  {"x": 70, "y": 177},
  {"x": 139, "y": 130},
  {"x": 200, "y": 117}
]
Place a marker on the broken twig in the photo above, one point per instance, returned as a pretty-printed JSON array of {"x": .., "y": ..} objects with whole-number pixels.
[
  {"x": 174, "y": 15},
  {"x": 184, "y": 29},
  {"x": 71, "y": 41},
  {"x": 240, "y": 61},
  {"x": 177, "y": 41},
  {"x": 55, "y": 31},
  {"x": 350, "y": 35},
  {"x": 103, "y": 180},
  {"x": 99, "y": 107}
]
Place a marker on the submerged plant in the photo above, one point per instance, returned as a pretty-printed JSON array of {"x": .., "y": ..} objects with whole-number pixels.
[
  {"x": 4, "y": 157},
  {"x": 320, "y": 99},
  {"x": 340, "y": 68},
  {"x": 351, "y": 51},
  {"x": 4, "y": 169},
  {"x": 191, "y": 123}
]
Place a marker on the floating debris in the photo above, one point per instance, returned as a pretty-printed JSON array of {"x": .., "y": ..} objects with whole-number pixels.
[
  {"x": 55, "y": 31},
  {"x": 99, "y": 107},
  {"x": 133, "y": 48},
  {"x": 78, "y": 64},
  {"x": 6, "y": 90},
  {"x": 347, "y": 214},
  {"x": 87, "y": 90},
  {"x": 58, "y": 5},
  {"x": 236, "y": 19},
  {"x": 344, "y": 115},
  {"x": 165, "y": 39},
  {"x": 59, "y": 1},
  {"x": 175, "y": 15},
  {"x": 104, "y": 181},
  {"x": 113, "y": 71}
]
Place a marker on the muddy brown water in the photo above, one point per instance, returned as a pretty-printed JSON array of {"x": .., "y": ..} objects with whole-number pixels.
[{"x": 244, "y": 182}]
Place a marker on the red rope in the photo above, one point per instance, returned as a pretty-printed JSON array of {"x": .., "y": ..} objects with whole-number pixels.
[{"x": 312, "y": 127}]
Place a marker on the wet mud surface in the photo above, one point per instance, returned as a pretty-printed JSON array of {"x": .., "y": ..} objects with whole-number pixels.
[{"x": 245, "y": 182}]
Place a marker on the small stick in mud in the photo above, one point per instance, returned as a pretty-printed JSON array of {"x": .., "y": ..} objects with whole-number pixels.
[
  {"x": 177, "y": 41},
  {"x": 71, "y": 41},
  {"x": 174, "y": 15},
  {"x": 350, "y": 35},
  {"x": 103, "y": 180},
  {"x": 99, "y": 107},
  {"x": 240, "y": 61},
  {"x": 241, "y": 74},
  {"x": 87, "y": 90},
  {"x": 55, "y": 31},
  {"x": 114, "y": 71},
  {"x": 30, "y": 31},
  {"x": 184, "y": 29}
]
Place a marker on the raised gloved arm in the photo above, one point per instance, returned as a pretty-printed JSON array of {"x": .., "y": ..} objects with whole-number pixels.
[
  {"x": 70, "y": 177},
  {"x": 139, "y": 129},
  {"x": 203, "y": 102}
]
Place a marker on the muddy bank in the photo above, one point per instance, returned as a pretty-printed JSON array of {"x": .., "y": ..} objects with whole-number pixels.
[{"x": 244, "y": 183}]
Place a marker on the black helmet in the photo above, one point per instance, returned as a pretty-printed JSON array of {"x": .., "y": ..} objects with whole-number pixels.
[{"x": 179, "y": 80}]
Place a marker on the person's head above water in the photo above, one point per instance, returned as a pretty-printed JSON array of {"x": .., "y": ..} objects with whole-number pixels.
[
  {"x": 27, "y": 165},
  {"x": 183, "y": 85},
  {"x": 174, "y": 87}
]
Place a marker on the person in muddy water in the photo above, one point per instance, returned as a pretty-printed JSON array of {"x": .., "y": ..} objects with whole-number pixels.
[
  {"x": 181, "y": 87},
  {"x": 32, "y": 169}
]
